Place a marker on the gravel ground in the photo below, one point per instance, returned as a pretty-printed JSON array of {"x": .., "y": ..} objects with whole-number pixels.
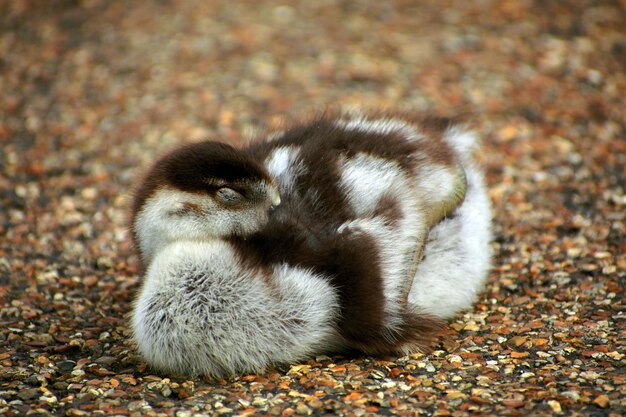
[{"x": 93, "y": 90}]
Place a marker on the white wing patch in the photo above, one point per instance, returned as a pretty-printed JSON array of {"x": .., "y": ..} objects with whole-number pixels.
[
  {"x": 380, "y": 127},
  {"x": 284, "y": 166},
  {"x": 366, "y": 179}
]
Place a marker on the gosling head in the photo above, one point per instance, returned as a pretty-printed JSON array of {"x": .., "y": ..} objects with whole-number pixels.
[{"x": 202, "y": 191}]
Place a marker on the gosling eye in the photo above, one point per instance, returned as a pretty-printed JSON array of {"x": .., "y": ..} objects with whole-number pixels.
[{"x": 229, "y": 196}]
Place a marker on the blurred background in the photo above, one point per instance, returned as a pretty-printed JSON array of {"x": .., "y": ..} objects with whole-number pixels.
[{"x": 93, "y": 90}]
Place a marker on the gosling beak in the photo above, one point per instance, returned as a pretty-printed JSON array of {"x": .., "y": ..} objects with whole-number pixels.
[{"x": 274, "y": 197}]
